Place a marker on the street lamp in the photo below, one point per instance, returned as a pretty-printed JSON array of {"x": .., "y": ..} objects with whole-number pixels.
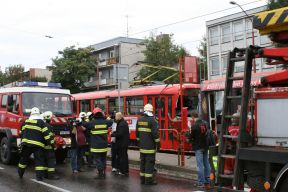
[
  {"x": 253, "y": 36},
  {"x": 117, "y": 74}
]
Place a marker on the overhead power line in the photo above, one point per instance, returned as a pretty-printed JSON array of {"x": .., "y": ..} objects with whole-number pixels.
[{"x": 192, "y": 18}]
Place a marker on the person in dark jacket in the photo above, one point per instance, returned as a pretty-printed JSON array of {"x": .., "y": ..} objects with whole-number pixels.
[
  {"x": 34, "y": 136},
  {"x": 199, "y": 142},
  {"x": 98, "y": 128},
  {"x": 122, "y": 142},
  {"x": 148, "y": 136}
]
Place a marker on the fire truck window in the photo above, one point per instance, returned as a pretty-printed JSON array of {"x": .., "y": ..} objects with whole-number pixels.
[
  {"x": 85, "y": 106},
  {"x": 113, "y": 106},
  {"x": 15, "y": 108},
  {"x": 134, "y": 105},
  {"x": 101, "y": 103},
  {"x": 58, "y": 104},
  {"x": 4, "y": 101}
]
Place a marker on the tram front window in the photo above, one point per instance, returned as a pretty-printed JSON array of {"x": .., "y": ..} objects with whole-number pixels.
[
  {"x": 59, "y": 104},
  {"x": 191, "y": 102}
]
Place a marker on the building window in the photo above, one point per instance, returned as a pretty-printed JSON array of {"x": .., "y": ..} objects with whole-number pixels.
[
  {"x": 249, "y": 29},
  {"x": 215, "y": 69},
  {"x": 238, "y": 30},
  {"x": 224, "y": 62},
  {"x": 214, "y": 36},
  {"x": 112, "y": 54},
  {"x": 225, "y": 36}
]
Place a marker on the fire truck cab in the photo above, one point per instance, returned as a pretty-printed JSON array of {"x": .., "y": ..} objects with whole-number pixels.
[{"x": 16, "y": 102}]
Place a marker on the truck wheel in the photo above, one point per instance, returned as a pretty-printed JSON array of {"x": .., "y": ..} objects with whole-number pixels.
[
  {"x": 284, "y": 185},
  {"x": 6, "y": 153}
]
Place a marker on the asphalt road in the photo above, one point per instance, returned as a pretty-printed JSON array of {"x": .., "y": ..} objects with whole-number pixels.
[{"x": 85, "y": 182}]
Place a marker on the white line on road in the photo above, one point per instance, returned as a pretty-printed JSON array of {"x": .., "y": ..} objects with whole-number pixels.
[
  {"x": 51, "y": 186},
  {"x": 1, "y": 168}
]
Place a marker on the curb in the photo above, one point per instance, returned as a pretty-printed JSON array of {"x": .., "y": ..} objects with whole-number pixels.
[{"x": 173, "y": 171}]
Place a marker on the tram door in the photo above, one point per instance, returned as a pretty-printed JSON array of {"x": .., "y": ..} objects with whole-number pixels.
[
  {"x": 160, "y": 104},
  {"x": 212, "y": 111}
]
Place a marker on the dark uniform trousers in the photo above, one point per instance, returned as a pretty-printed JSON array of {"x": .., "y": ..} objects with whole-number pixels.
[
  {"x": 50, "y": 160},
  {"x": 38, "y": 153},
  {"x": 147, "y": 165},
  {"x": 100, "y": 160},
  {"x": 122, "y": 156}
]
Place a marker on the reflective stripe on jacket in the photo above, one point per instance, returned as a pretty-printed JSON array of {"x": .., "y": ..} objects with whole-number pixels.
[{"x": 35, "y": 133}]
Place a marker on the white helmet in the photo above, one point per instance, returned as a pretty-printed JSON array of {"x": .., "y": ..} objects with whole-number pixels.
[
  {"x": 35, "y": 111},
  {"x": 88, "y": 114},
  {"x": 82, "y": 115},
  {"x": 47, "y": 115},
  {"x": 148, "y": 107}
]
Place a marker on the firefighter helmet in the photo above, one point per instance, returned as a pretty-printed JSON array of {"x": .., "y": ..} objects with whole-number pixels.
[
  {"x": 82, "y": 115},
  {"x": 47, "y": 115},
  {"x": 88, "y": 114},
  {"x": 35, "y": 111},
  {"x": 148, "y": 107},
  {"x": 97, "y": 110}
]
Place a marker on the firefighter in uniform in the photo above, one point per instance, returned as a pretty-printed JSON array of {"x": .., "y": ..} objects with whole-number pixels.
[
  {"x": 49, "y": 151},
  {"x": 98, "y": 128},
  {"x": 34, "y": 135},
  {"x": 148, "y": 137}
]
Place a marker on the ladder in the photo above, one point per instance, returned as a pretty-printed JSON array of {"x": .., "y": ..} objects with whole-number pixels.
[{"x": 234, "y": 179}]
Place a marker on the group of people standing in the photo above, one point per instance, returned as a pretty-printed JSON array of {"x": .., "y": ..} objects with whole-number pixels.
[{"x": 91, "y": 132}]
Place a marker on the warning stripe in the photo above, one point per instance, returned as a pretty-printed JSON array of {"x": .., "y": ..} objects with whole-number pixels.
[
  {"x": 56, "y": 120},
  {"x": 271, "y": 21}
]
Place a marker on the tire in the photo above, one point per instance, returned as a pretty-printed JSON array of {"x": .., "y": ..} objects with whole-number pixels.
[
  {"x": 284, "y": 185},
  {"x": 5, "y": 151}
]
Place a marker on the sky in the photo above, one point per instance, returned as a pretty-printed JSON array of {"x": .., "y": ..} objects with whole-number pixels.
[{"x": 25, "y": 23}]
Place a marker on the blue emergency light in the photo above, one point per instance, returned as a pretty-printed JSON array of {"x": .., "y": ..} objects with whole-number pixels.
[{"x": 38, "y": 84}]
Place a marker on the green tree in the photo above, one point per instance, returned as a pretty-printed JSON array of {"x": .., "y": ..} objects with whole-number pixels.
[
  {"x": 161, "y": 51},
  {"x": 14, "y": 73},
  {"x": 73, "y": 67},
  {"x": 275, "y": 4},
  {"x": 202, "y": 65}
]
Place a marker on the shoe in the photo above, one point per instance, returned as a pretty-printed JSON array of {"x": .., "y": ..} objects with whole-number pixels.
[
  {"x": 122, "y": 174},
  {"x": 53, "y": 177},
  {"x": 74, "y": 171},
  {"x": 114, "y": 170}
]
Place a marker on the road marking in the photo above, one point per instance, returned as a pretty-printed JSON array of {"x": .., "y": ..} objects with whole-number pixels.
[
  {"x": 51, "y": 186},
  {"x": 1, "y": 168}
]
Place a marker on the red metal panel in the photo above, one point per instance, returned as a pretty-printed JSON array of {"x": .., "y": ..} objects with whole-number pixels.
[{"x": 190, "y": 69}]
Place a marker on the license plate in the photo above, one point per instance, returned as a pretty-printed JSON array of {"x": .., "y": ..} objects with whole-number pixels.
[
  {"x": 67, "y": 141},
  {"x": 64, "y": 132}
]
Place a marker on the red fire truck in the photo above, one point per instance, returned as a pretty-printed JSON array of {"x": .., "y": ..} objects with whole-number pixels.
[
  {"x": 164, "y": 98},
  {"x": 255, "y": 155},
  {"x": 17, "y": 101}
]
